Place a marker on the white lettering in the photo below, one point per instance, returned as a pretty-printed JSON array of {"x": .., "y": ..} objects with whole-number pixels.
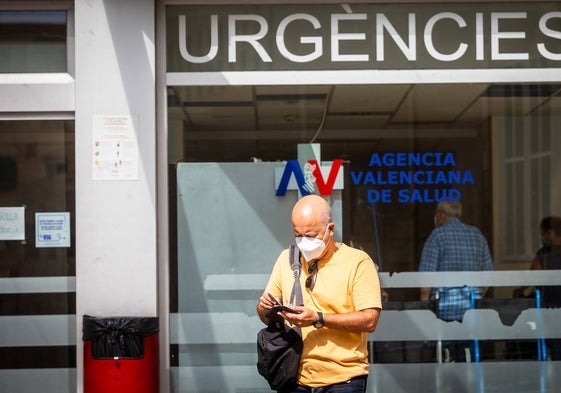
[
  {"x": 428, "y": 37},
  {"x": 315, "y": 41},
  {"x": 497, "y": 35},
  {"x": 213, "y": 50},
  {"x": 252, "y": 39},
  {"x": 410, "y": 51},
  {"x": 550, "y": 33},
  {"x": 479, "y": 37},
  {"x": 336, "y": 37},
  {"x": 302, "y": 37}
]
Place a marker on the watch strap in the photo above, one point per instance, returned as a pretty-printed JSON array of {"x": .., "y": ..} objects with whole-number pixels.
[{"x": 319, "y": 322}]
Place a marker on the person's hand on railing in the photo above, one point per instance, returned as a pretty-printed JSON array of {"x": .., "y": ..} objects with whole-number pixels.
[{"x": 521, "y": 292}]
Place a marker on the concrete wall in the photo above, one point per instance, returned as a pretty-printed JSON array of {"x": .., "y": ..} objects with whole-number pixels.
[{"x": 116, "y": 261}]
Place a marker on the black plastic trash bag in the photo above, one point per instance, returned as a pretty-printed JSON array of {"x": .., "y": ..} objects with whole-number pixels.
[{"x": 121, "y": 337}]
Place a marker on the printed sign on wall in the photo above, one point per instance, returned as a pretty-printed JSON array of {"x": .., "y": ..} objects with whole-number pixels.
[
  {"x": 12, "y": 223},
  {"x": 114, "y": 148},
  {"x": 52, "y": 229}
]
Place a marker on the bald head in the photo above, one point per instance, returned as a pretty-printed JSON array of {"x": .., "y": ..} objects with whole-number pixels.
[{"x": 312, "y": 208}]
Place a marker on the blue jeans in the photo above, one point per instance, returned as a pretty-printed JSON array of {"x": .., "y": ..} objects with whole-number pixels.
[{"x": 353, "y": 385}]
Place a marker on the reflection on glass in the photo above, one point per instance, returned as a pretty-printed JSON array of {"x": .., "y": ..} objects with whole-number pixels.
[
  {"x": 403, "y": 146},
  {"x": 36, "y": 305},
  {"x": 33, "y": 41}
]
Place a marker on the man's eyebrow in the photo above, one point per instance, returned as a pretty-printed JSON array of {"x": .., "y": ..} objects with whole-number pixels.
[{"x": 306, "y": 233}]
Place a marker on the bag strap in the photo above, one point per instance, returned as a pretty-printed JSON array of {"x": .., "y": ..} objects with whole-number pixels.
[{"x": 296, "y": 294}]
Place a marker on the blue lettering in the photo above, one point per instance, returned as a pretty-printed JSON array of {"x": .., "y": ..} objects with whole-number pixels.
[
  {"x": 418, "y": 159},
  {"x": 428, "y": 196},
  {"x": 376, "y": 196},
  {"x": 375, "y": 160},
  {"x": 449, "y": 160},
  {"x": 416, "y": 197},
  {"x": 397, "y": 159},
  {"x": 453, "y": 177},
  {"x": 419, "y": 177},
  {"x": 369, "y": 179},
  {"x": 412, "y": 177},
  {"x": 441, "y": 177},
  {"x": 415, "y": 159},
  {"x": 356, "y": 177},
  {"x": 405, "y": 177},
  {"x": 454, "y": 195},
  {"x": 403, "y": 196},
  {"x": 468, "y": 178}
]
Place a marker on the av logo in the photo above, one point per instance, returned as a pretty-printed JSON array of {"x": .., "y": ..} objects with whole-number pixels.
[{"x": 310, "y": 178}]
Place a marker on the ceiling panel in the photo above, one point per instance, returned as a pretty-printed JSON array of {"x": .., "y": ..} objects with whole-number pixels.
[
  {"x": 191, "y": 95},
  {"x": 290, "y": 112},
  {"x": 288, "y": 90},
  {"x": 231, "y": 118},
  {"x": 550, "y": 108},
  {"x": 366, "y": 122},
  {"x": 367, "y": 99},
  {"x": 413, "y": 108},
  {"x": 486, "y": 107},
  {"x": 437, "y": 103}
]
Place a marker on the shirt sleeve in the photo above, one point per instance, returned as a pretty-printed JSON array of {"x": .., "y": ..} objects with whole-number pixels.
[
  {"x": 274, "y": 285},
  {"x": 486, "y": 255},
  {"x": 367, "y": 290}
]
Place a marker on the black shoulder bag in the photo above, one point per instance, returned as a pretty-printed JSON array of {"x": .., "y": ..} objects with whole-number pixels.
[{"x": 278, "y": 346}]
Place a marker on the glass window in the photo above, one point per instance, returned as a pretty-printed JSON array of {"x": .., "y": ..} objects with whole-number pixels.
[
  {"x": 37, "y": 256},
  {"x": 385, "y": 89},
  {"x": 527, "y": 190},
  {"x": 404, "y": 148},
  {"x": 33, "y": 41}
]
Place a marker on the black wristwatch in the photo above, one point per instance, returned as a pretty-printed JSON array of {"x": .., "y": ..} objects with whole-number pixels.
[{"x": 318, "y": 324}]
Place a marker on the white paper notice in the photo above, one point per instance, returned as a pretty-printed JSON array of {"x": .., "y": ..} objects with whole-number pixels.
[
  {"x": 52, "y": 229},
  {"x": 12, "y": 223},
  {"x": 114, "y": 148}
]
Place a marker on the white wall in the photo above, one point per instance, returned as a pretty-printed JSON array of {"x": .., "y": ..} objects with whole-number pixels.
[{"x": 116, "y": 263}]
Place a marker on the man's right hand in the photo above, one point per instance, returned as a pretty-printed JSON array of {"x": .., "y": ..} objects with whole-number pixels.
[{"x": 266, "y": 303}]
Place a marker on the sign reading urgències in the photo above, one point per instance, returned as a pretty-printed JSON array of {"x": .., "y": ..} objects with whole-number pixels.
[{"x": 363, "y": 36}]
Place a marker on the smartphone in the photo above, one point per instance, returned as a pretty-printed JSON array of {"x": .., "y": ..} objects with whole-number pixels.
[{"x": 273, "y": 311}]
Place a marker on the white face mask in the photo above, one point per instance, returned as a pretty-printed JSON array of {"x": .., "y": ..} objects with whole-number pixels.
[{"x": 311, "y": 247}]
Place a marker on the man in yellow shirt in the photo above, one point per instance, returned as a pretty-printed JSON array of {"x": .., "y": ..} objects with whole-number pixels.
[{"x": 342, "y": 302}]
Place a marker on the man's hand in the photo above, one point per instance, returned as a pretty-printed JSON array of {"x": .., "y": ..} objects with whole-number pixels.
[
  {"x": 266, "y": 303},
  {"x": 300, "y": 316},
  {"x": 425, "y": 294}
]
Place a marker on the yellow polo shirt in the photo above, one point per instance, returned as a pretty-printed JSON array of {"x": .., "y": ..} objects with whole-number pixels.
[{"x": 345, "y": 283}]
